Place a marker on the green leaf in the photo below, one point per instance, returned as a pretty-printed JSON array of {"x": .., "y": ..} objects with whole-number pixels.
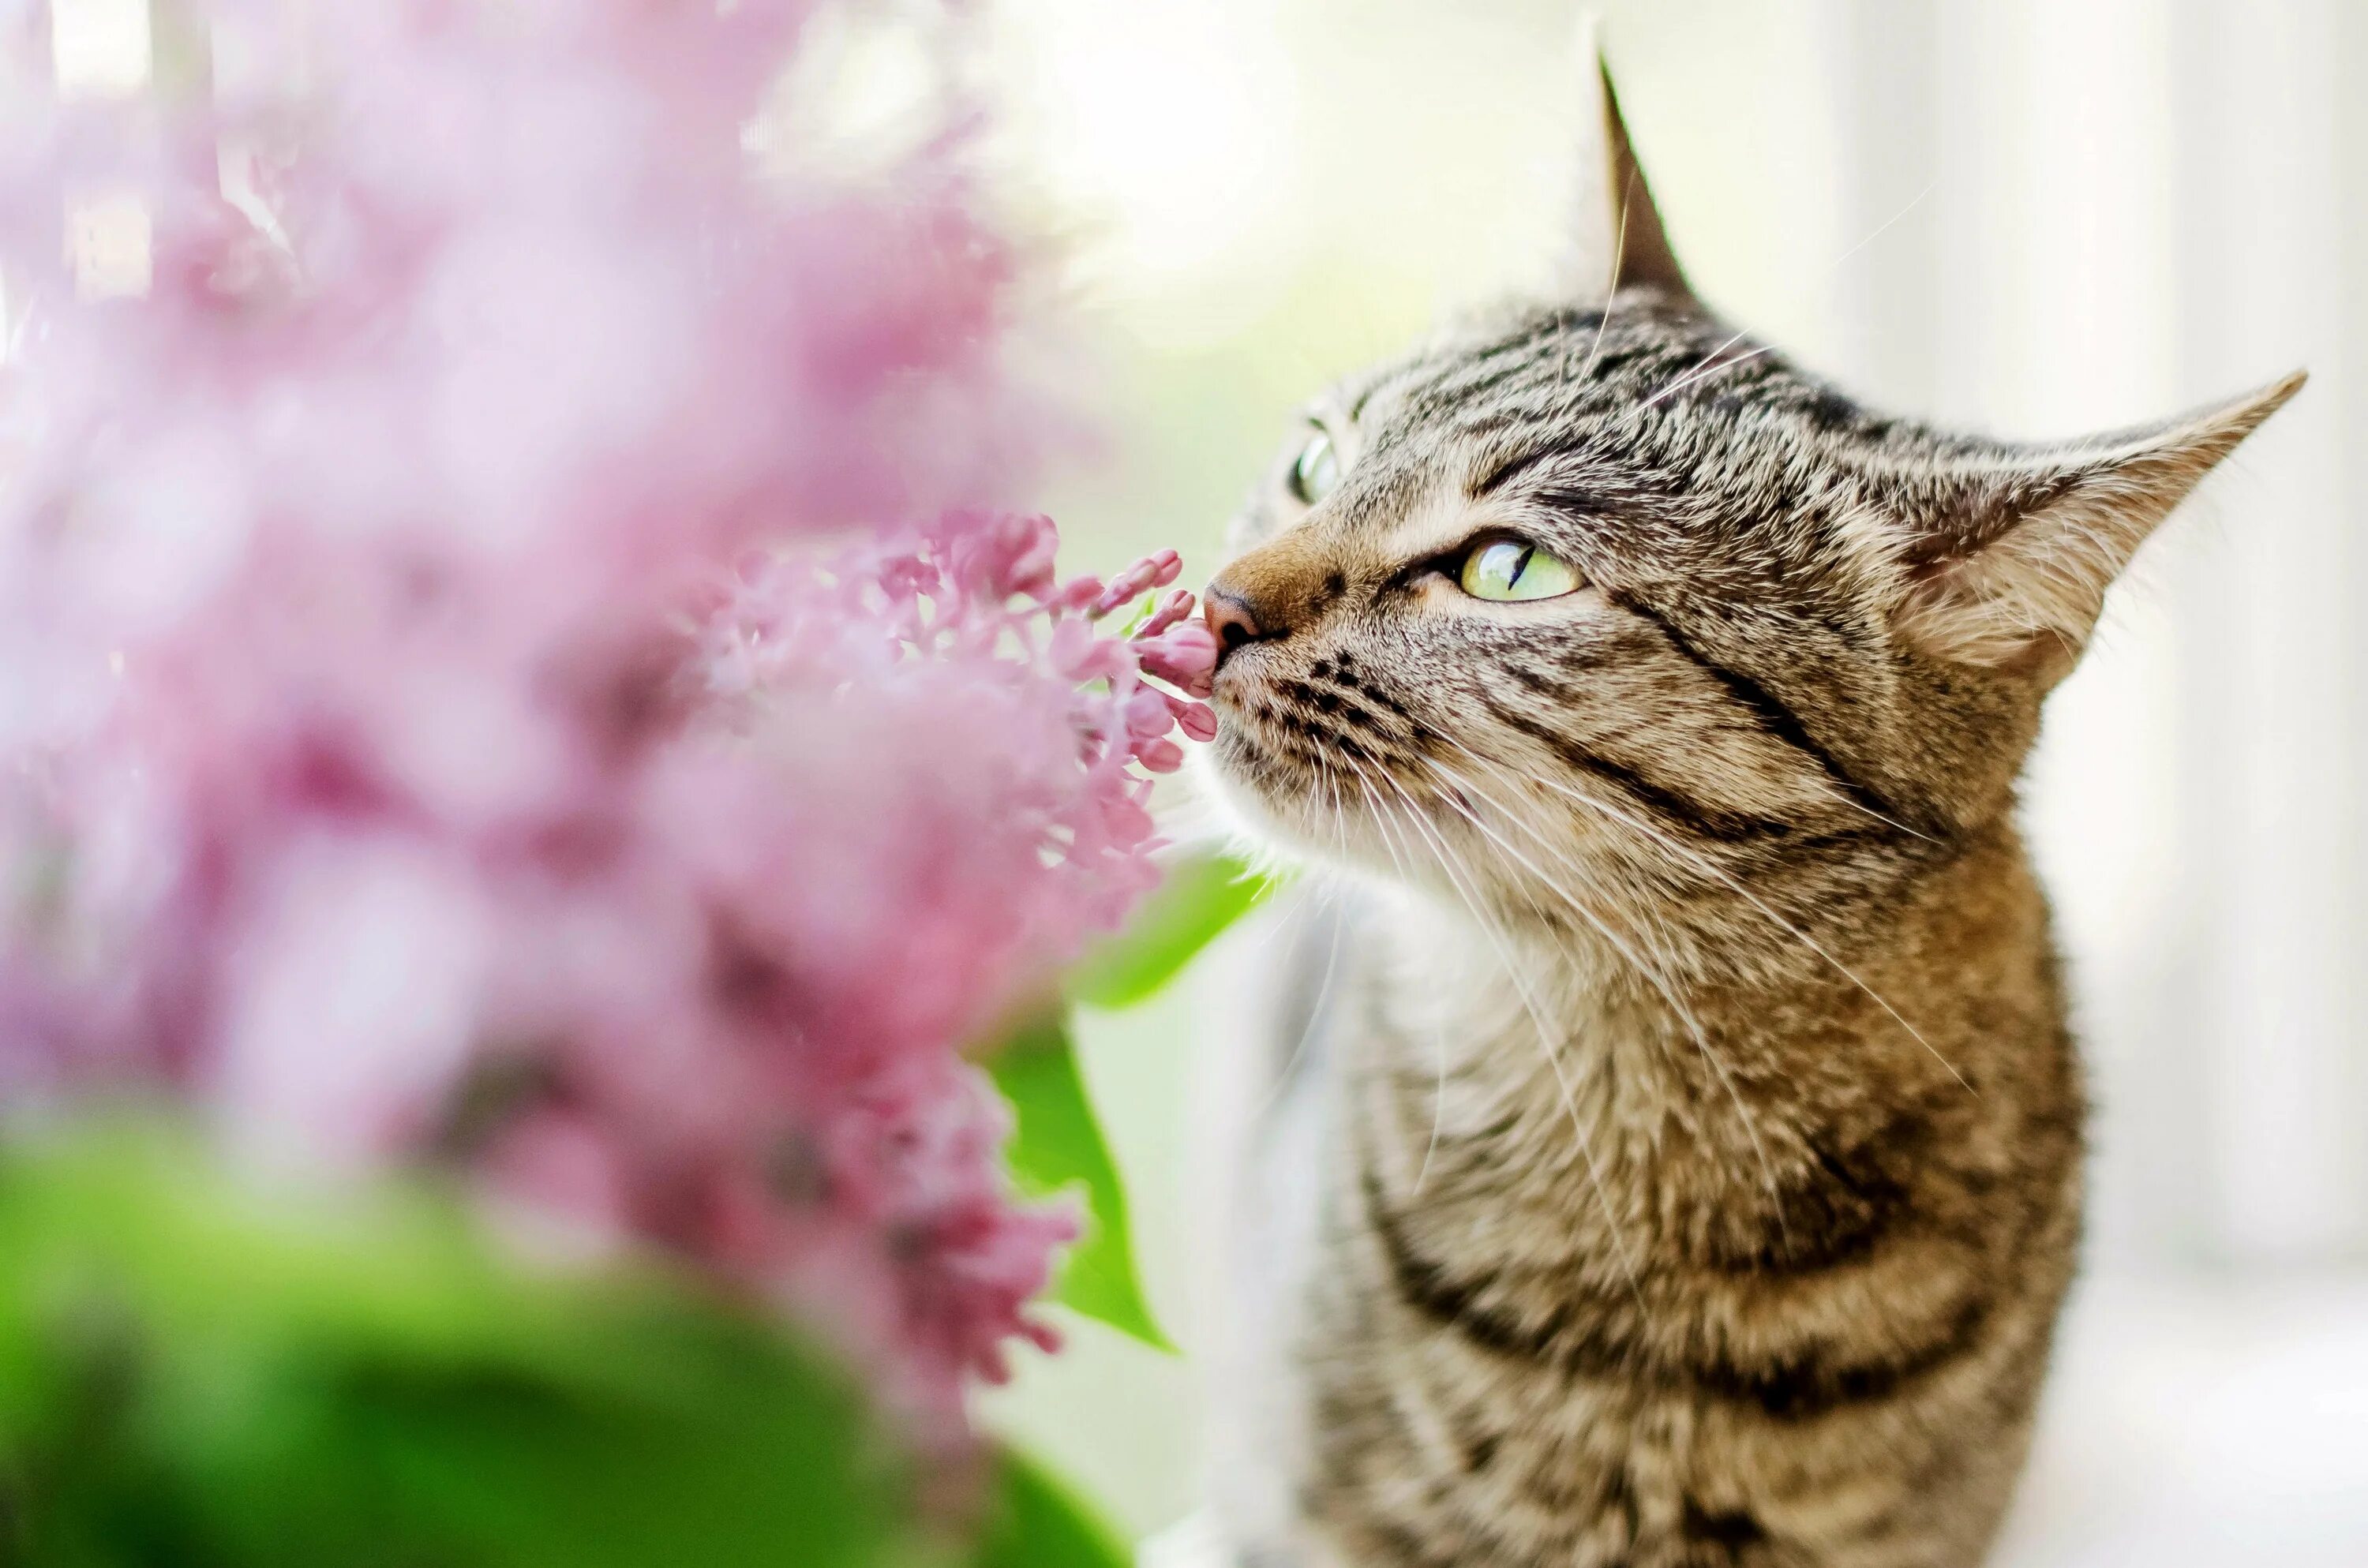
[
  {"x": 1202, "y": 896},
  {"x": 1038, "y": 1522},
  {"x": 191, "y": 1377},
  {"x": 1058, "y": 1145}
]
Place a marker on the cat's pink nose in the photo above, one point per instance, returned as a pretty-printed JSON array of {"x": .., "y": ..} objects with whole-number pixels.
[
  {"x": 1231, "y": 619},
  {"x": 1277, "y": 590}
]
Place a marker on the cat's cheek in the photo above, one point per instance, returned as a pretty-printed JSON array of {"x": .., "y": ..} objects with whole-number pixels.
[{"x": 1256, "y": 799}]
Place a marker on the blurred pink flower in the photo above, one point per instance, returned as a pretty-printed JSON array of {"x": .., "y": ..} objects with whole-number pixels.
[{"x": 475, "y": 691}]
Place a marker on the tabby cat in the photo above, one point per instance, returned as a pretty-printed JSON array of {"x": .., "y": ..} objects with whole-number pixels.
[{"x": 1680, "y": 1163}]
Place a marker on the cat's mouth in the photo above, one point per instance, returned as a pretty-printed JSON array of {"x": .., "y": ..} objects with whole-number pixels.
[{"x": 1308, "y": 745}]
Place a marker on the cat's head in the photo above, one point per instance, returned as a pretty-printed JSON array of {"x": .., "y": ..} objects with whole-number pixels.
[{"x": 1602, "y": 589}]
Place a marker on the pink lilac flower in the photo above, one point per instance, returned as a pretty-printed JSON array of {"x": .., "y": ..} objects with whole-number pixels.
[{"x": 494, "y": 670}]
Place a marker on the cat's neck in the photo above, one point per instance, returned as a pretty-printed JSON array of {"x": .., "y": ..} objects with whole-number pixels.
[{"x": 1646, "y": 1050}]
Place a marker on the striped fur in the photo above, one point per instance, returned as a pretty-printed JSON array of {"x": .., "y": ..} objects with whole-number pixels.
[{"x": 1689, "y": 1135}]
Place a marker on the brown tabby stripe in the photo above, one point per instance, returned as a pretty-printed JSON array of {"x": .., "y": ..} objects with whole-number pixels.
[
  {"x": 1793, "y": 1388},
  {"x": 1704, "y": 821},
  {"x": 1728, "y": 1531},
  {"x": 1516, "y": 467},
  {"x": 1775, "y": 717}
]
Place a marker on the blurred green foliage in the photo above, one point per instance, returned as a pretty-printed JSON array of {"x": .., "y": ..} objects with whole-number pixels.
[
  {"x": 1058, "y": 1144},
  {"x": 193, "y": 1377},
  {"x": 1202, "y": 896},
  {"x": 194, "y": 1374},
  {"x": 1038, "y": 1523}
]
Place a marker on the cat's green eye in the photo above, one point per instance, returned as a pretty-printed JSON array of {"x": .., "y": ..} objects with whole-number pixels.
[
  {"x": 1317, "y": 469},
  {"x": 1510, "y": 569}
]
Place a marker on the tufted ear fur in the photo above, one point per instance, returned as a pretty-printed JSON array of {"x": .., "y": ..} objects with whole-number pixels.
[
  {"x": 1616, "y": 236},
  {"x": 2009, "y": 553}
]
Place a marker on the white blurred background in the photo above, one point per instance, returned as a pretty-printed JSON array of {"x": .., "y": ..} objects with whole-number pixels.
[{"x": 2037, "y": 217}]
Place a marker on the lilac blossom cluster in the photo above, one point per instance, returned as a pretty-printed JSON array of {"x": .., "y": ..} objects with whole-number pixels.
[{"x": 468, "y": 695}]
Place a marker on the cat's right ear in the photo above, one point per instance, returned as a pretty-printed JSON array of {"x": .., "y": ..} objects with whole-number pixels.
[
  {"x": 2008, "y": 548},
  {"x": 1616, "y": 236}
]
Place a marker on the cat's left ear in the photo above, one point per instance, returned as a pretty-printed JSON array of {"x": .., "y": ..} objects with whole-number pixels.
[
  {"x": 1616, "y": 237},
  {"x": 2009, "y": 550}
]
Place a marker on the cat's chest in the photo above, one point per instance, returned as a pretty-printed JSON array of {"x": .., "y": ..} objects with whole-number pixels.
[
  {"x": 1555, "y": 1167},
  {"x": 1501, "y": 1109}
]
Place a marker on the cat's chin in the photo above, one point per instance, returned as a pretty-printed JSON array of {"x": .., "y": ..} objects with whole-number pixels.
[
  {"x": 1295, "y": 824},
  {"x": 1285, "y": 822}
]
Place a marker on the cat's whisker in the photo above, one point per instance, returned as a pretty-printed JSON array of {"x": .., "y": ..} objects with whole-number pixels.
[
  {"x": 1439, "y": 1103},
  {"x": 1669, "y": 951},
  {"x": 1701, "y": 374},
  {"x": 1612, "y": 291},
  {"x": 1328, "y": 893},
  {"x": 1437, "y": 1106},
  {"x": 1688, "y": 373},
  {"x": 1668, "y": 964},
  {"x": 1549, "y": 1042},
  {"x": 1659, "y": 981},
  {"x": 1331, "y": 961},
  {"x": 1669, "y": 961},
  {"x": 1439, "y": 1034},
  {"x": 1845, "y": 799},
  {"x": 1882, "y": 229},
  {"x": 1737, "y": 886}
]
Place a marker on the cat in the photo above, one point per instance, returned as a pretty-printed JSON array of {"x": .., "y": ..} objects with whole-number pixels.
[{"x": 1678, "y": 1160}]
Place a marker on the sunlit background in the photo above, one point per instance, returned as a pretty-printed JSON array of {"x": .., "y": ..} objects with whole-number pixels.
[{"x": 2037, "y": 217}]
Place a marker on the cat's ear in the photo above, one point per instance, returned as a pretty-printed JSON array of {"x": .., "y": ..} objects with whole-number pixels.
[
  {"x": 2009, "y": 550},
  {"x": 1616, "y": 237}
]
